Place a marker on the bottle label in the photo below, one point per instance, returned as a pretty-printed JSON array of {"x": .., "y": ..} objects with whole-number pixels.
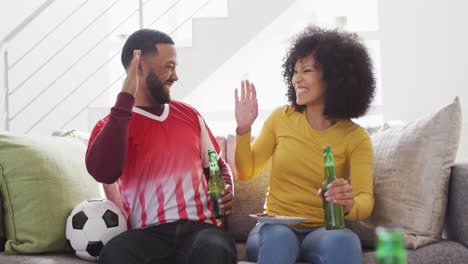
[{"x": 218, "y": 212}]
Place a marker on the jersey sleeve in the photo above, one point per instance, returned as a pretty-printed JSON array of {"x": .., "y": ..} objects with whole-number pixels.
[
  {"x": 207, "y": 142},
  {"x": 107, "y": 147}
]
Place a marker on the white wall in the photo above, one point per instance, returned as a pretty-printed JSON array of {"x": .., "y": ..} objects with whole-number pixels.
[
  {"x": 424, "y": 58},
  {"x": 11, "y": 14},
  {"x": 423, "y": 55},
  {"x": 55, "y": 83},
  {"x": 2, "y": 90},
  {"x": 47, "y": 72},
  {"x": 261, "y": 58}
]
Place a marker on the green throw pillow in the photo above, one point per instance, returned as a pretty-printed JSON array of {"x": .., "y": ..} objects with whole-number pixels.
[{"x": 41, "y": 180}]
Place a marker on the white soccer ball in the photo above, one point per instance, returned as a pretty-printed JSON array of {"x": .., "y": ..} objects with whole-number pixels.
[{"x": 91, "y": 224}]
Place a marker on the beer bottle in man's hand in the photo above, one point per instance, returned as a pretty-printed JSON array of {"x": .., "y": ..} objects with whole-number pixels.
[{"x": 215, "y": 184}]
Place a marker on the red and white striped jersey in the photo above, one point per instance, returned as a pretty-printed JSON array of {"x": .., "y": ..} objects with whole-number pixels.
[{"x": 163, "y": 178}]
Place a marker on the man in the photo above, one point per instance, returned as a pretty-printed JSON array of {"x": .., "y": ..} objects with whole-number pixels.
[{"x": 156, "y": 150}]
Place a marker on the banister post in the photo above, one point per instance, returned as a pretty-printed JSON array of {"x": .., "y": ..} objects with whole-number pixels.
[
  {"x": 5, "y": 88},
  {"x": 140, "y": 13}
]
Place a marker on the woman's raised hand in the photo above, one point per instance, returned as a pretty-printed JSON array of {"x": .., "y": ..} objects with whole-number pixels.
[{"x": 246, "y": 107}]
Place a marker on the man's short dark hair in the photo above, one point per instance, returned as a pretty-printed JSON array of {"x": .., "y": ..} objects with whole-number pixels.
[
  {"x": 144, "y": 40},
  {"x": 346, "y": 66}
]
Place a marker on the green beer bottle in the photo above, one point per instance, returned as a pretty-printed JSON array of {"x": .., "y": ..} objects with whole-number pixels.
[
  {"x": 390, "y": 246},
  {"x": 215, "y": 184},
  {"x": 334, "y": 216}
]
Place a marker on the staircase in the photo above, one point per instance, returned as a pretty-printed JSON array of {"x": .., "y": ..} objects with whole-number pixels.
[
  {"x": 54, "y": 70},
  {"x": 215, "y": 40}
]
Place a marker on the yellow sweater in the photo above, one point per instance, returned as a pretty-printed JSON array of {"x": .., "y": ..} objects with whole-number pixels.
[{"x": 297, "y": 164}]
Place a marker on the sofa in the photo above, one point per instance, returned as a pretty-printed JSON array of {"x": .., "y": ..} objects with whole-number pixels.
[
  {"x": 452, "y": 249},
  {"x": 43, "y": 178},
  {"x": 250, "y": 199}
]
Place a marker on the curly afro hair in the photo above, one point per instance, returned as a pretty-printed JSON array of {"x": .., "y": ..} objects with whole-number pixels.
[{"x": 346, "y": 66}]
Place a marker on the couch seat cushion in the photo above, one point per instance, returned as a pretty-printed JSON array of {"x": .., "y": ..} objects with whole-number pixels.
[
  {"x": 440, "y": 252},
  {"x": 42, "y": 259}
]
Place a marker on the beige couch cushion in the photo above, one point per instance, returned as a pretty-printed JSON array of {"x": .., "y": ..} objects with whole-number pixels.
[
  {"x": 222, "y": 145},
  {"x": 249, "y": 199},
  {"x": 411, "y": 175}
]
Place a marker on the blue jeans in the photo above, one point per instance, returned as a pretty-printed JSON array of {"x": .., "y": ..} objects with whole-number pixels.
[{"x": 275, "y": 243}]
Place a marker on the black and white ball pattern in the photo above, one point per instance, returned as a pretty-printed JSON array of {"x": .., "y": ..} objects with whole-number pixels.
[{"x": 91, "y": 224}]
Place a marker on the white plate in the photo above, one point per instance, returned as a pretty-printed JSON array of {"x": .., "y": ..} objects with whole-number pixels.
[{"x": 285, "y": 220}]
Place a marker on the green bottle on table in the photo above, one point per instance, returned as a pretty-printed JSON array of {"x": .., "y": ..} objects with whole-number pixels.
[
  {"x": 390, "y": 246},
  {"x": 216, "y": 184},
  {"x": 334, "y": 214}
]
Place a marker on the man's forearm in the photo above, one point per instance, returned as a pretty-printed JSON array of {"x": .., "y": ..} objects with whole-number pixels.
[
  {"x": 106, "y": 155},
  {"x": 225, "y": 171}
]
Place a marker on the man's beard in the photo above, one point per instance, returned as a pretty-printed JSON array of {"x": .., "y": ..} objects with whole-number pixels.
[{"x": 157, "y": 89}]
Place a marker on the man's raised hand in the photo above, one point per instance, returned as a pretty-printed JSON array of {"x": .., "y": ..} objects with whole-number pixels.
[{"x": 133, "y": 75}]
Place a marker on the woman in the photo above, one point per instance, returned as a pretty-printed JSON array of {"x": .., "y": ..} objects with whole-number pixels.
[{"x": 330, "y": 80}]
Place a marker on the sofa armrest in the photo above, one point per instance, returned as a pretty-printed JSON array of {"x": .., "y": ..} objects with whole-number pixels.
[{"x": 457, "y": 208}]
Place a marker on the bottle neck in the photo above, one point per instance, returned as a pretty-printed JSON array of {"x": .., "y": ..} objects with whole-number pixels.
[
  {"x": 214, "y": 172},
  {"x": 330, "y": 173},
  {"x": 328, "y": 158},
  {"x": 214, "y": 168}
]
